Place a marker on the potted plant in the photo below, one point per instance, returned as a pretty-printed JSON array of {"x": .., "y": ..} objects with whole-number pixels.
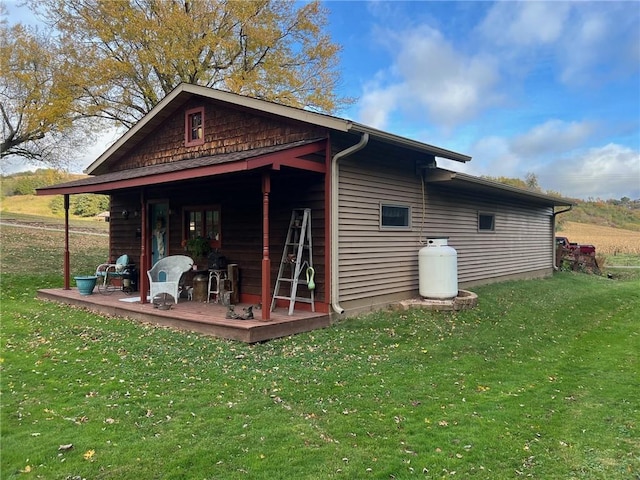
[{"x": 198, "y": 247}]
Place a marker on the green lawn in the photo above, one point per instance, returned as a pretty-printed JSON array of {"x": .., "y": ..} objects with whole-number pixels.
[{"x": 541, "y": 381}]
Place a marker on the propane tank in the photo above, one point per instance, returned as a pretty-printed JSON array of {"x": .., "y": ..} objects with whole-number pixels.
[{"x": 438, "y": 269}]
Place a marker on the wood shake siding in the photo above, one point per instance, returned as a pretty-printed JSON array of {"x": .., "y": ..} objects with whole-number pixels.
[
  {"x": 226, "y": 130},
  {"x": 378, "y": 263}
]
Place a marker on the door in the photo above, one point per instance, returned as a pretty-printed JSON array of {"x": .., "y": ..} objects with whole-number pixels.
[{"x": 158, "y": 217}]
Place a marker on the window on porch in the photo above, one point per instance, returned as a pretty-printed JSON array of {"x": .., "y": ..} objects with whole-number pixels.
[
  {"x": 203, "y": 222},
  {"x": 194, "y": 127}
]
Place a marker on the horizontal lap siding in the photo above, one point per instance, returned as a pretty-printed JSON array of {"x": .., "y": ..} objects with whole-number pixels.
[
  {"x": 521, "y": 241},
  {"x": 374, "y": 262}
]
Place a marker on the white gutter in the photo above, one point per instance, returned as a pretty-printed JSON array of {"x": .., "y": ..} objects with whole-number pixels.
[{"x": 335, "y": 231}]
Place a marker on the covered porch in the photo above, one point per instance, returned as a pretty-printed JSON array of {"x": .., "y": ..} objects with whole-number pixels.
[
  {"x": 200, "y": 317},
  {"x": 249, "y": 194}
]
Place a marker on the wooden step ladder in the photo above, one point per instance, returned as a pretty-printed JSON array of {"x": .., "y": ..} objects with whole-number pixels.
[{"x": 296, "y": 255}]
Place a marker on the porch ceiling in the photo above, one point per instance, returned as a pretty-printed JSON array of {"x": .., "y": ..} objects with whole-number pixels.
[{"x": 290, "y": 155}]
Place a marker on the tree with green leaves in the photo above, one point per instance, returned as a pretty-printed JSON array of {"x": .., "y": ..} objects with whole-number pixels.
[{"x": 128, "y": 54}]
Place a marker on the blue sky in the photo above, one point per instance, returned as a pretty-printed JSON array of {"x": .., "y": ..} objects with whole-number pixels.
[{"x": 550, "y": 88}]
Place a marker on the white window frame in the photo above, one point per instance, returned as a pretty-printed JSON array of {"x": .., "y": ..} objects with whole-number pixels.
[{"x": 395, "y": 227}]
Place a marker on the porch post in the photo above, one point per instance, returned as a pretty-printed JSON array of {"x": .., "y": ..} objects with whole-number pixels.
[
  {"x": 266, "y": 263},
  {"x": 144, "y": 281},
  {"x": 66, "y": 243}
]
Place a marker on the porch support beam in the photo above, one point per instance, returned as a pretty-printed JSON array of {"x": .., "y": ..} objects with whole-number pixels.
[
  {"x": 266, "y": 262},
  {"x": 67, "y": 269},
  {"x": 144, "y": 281},
  {"x": 291, "y": 158}
]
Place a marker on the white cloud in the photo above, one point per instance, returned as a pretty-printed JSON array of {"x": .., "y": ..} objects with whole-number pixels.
[
  {"x": 432, "y": 80},
  {"x": 525, "y": 24},
  {"x": 493, "y": 156},
  {"x": 586, "y": 42},
  {"x": 451, "y": 86},
  {"x": 554, "y": 151},
  {"x": 500, "y": 156},
  {"x": 611, "y": 171},
  {"x": 377, "y": 104},
  {"x": 551, "y": 137},
  {"x": 600, "y": 42}
]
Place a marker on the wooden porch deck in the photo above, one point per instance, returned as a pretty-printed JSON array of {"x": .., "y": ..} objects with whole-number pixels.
[{"x": 205, "y": 318}]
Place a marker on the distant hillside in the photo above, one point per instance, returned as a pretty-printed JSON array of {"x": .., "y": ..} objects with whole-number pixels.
[
  {"x": 604, "y": 214},
  {"x": 25, "y": 183},
  {"x": 622, "y": 213},
  {"x": 18, "y": 195}
]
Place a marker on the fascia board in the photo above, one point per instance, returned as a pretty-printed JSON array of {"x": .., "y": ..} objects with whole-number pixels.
[
  {"x": 135, "y": 129},
  {"x": 409, "y": 143},
  {"x": 557, "y": 201}
]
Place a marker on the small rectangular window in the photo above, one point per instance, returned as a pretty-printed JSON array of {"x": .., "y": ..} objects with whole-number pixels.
[
  {"x": 194, "y": 127},
  {"x": 395, "y": 216},
  {"x": 486, "y": 222}
]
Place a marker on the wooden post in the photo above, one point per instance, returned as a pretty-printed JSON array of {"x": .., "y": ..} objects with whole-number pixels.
[
  {"x": 266, "y": 263},
  {"x": 67, "y": 269},
  {"x": 144, "y": 280}
]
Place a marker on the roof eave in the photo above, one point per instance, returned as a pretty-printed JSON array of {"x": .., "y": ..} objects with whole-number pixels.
[
  {"x": 409, "y": 143},
  {"x": 442, "y": 175}
]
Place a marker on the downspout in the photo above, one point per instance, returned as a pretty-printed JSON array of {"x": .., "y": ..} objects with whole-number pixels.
[
  {"x": 553, "y": 240},
  {"x": 334, "y": 218}
]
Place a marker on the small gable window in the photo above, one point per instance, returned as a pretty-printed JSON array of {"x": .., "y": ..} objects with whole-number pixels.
[{"x": 194, "y": 127}]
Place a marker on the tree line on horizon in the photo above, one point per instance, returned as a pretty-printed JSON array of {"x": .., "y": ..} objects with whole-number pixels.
[{"x": 530, "y": 182}]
